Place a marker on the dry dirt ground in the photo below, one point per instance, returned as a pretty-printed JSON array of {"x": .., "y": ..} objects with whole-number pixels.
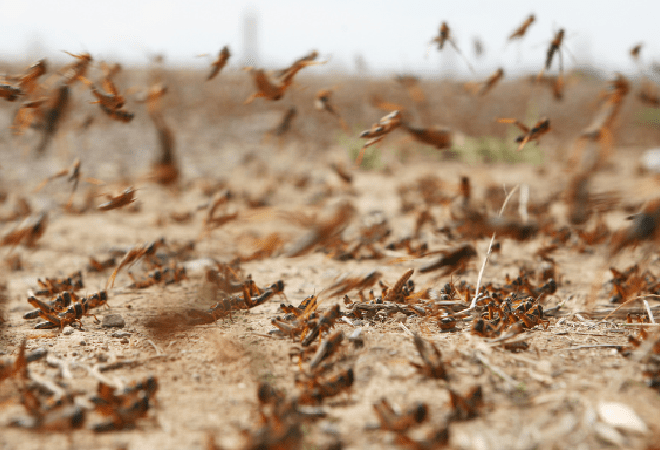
[{"x": 571, "y": 388}]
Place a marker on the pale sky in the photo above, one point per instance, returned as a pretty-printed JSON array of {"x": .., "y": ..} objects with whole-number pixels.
[{"x": 391, "y": 35}]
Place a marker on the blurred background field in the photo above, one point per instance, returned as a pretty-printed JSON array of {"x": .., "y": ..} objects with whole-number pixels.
[{"x": 212, "y": 125}]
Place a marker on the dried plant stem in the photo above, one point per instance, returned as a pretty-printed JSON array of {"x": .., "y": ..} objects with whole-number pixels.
[
  {"x": 158, "y": 352},
  {"x": 406, "y": 329},
  {"x": 522, "y": 206},
  {"x": 639, "y": 297},
  {"x": 648, "y": 311},
  {"x": 580, "y": 347},
  {"x": 473, "y": 304},
  {"x": 508, "y": 197},
  {"x": 481, "y": 272}
]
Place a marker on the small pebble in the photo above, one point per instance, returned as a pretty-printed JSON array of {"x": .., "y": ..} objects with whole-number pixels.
[
  {"x": 36, "y": 354},
  {"x": 124, "y": 340},
  {"x": 83, "y": 343},
  {"x": 400, "y": 317},
  {"x": 67, "y": 331},
  {"x": 102, "y": 357},
  {"x": 197, "y": 377},
  {"x": 327, "y": 427},
  {"x": 113, "y": 320},
  {"x": 121, "y": 334},
  {"x": 621, "y": 416}
]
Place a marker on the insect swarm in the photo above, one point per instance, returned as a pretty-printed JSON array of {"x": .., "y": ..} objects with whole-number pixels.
[
  {"x": 152, "y": 97},
  {"x": 378, "y": 131},
  {"x": 265, "y": 247},
  {"x": 219, "y": 337},
  {"x": 283, "y": 127},
  {"x": 29, "y": 113},
  {"x": 305, "y": 61},
  {"x": 71, "y": 315},
  {"x": 316, "y": 390},
  {"x": 119, "y": 201},
  {"x": 96, "y": 265},
  {"x": 444, "y": 35},
  {"x": 397, "y": 293},
  {"x": 452, "y": 261},
  {"x": 344, "y": 286},
  {"x": 51, "y": 286},
  {"x": 391, "y": 421},
  {"x": 109, "y": 98},
  {"x": 133, "y": 255},
  {"x": 164, "y": 170},
  {"x": 432, "y": 365},
  {"x": 219, "y": 63},
  {"x": 324, "y": 232},
  {"x": 281, "y": 421},
  {"x": 49, "y": 414},
  {"x": 438, "y": 138},
  {"x": 327, "y": 348},
  {"x": 274, "y": 90},
  {"x": 77, "y": 70},
  {"x": 18, "y": 367},
  {"x": 554, "y": 47},
  {"x": 65, "y": 309},
  {"x": 322, "y": 103},
  {"x": 324, "y": 324},
  {"x": 601, "y": 128},
  {"x": 645, "y": 227},
  {"x": 265, "y": 88},
  {"x": 478, "y": 47},
  {"x": 27, "y": 233},
  {"x": 530, "y": 134},
  {"x": 28, "y": 82},
  {"x": 492, "y": 81},
  {"x": 73, "y": 177},
  {"x": 520, "y": 32},
  {"x": 55, "y": 109},
  {"x": 9, "y": 93},
  {"x": 466, "y": 407},
  {"x": 125, "y": 408},
  {"x": 169, "y": 275},
  {"x": 554, "y": 82}
]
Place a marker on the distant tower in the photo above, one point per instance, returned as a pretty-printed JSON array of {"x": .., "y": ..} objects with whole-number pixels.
[
  {"x": 250, "y": 39},
  {"x": 360, "y": 63},
  {"x": 35, "y": 48},
  {"x": 448, "y": 62}
]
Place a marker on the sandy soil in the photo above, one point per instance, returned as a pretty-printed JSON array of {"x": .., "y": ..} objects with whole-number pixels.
[{"x": 564, "y": 391}]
